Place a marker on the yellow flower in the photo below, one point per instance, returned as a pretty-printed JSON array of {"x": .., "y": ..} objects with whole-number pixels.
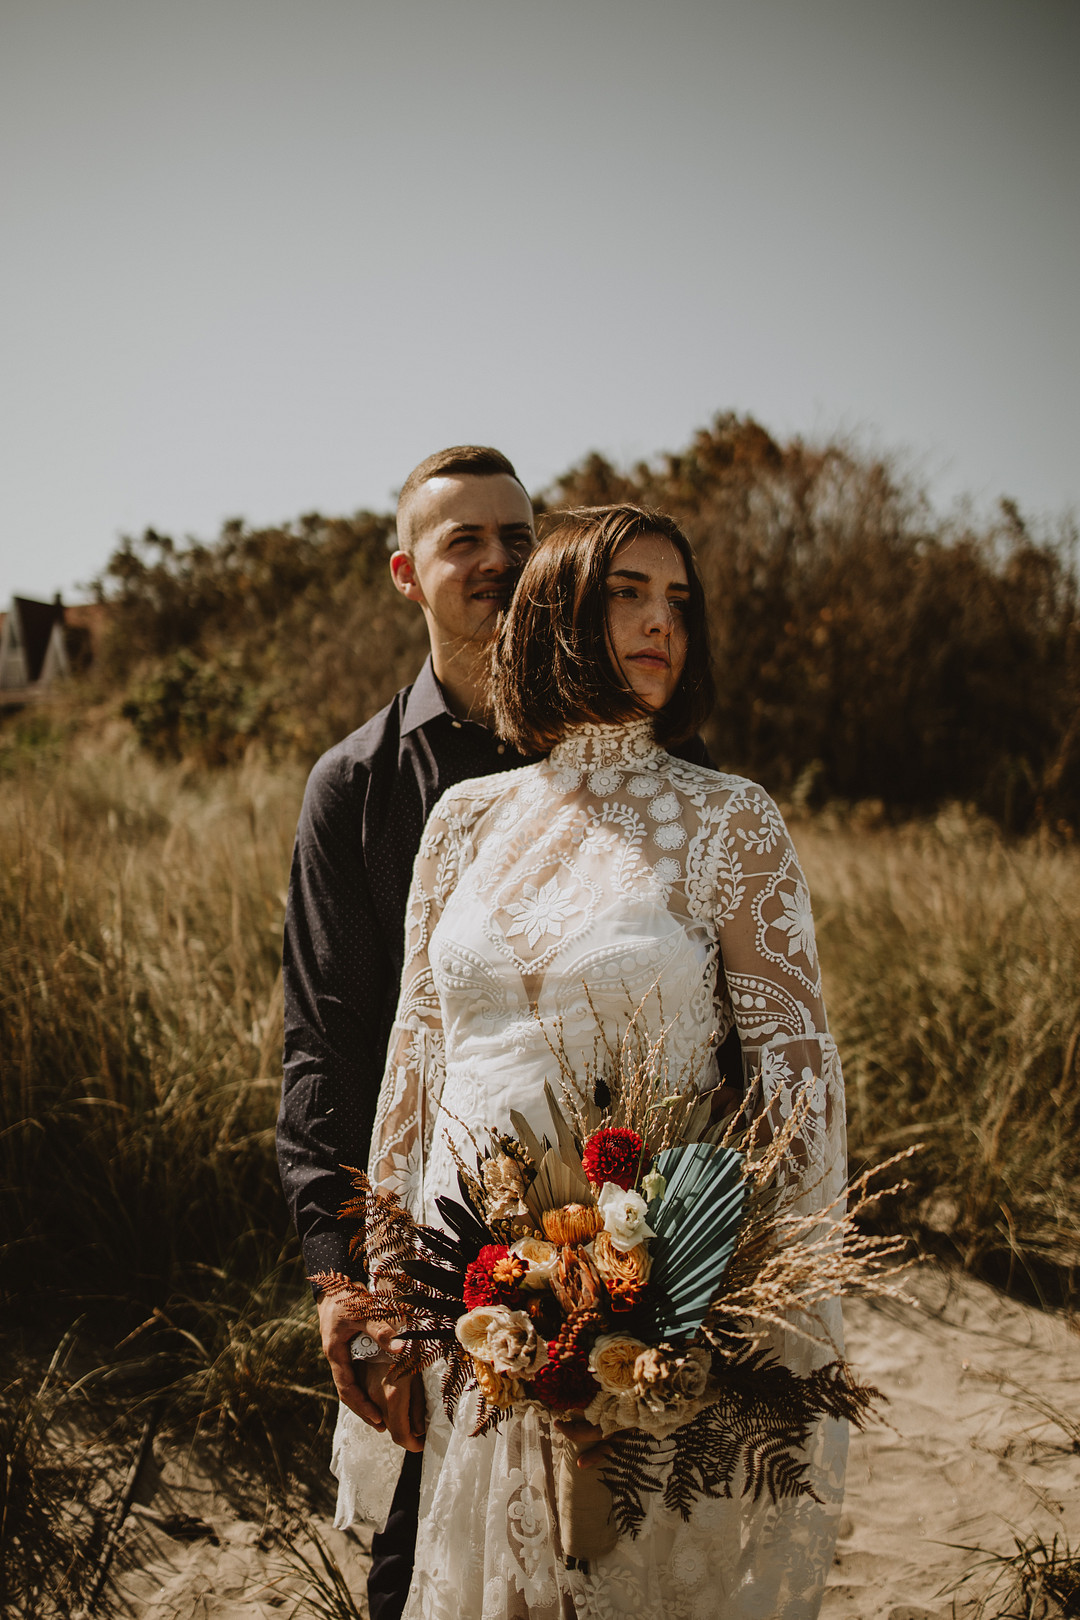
[{"x": 496, "y": 1388}]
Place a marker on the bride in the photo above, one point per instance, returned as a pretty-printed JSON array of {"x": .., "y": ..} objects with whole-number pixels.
[{"x": 608, "y": 876}]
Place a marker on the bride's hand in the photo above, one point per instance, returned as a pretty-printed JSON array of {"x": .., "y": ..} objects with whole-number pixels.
[
  {"x": 399, "y": 1400},
  {"x": 372, "y": 1389},
  {"x": 594, "y": 1446}
]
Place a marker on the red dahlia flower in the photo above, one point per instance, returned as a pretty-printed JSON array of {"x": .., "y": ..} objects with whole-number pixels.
[
  {"x": 613, "y": 1154},
  {"x": 491, "y": 1277},
  {"x": 564, "y": 1385}
]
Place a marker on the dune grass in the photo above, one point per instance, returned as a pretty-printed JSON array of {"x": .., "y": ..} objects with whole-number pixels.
[
  {"x": 140, "y": 1025},
  {"x": 140, "y": 1032},
  {"x": 952, "y": 964}
]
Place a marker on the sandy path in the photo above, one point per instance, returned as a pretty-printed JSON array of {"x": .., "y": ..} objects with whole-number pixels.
[{"x": 961, "y": 1460}]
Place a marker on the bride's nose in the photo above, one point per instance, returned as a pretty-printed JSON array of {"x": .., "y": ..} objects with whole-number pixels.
[{"x": 659, "y": 617}]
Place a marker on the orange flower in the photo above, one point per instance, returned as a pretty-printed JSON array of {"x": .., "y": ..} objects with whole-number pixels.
[
  {"x": 572, "y": 1223},
  {"x": 625, "y": 1271},
  {"x": 509, "y": 1271}
]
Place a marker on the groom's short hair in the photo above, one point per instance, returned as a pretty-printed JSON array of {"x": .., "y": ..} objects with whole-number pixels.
[{"x": 464, "y": 460}]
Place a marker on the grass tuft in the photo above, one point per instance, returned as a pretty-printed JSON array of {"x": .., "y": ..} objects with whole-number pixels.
[{"x": 1038, "y": 1580}]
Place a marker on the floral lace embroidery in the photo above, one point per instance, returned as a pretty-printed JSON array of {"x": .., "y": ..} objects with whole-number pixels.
[{"x": 608, "y": 877}]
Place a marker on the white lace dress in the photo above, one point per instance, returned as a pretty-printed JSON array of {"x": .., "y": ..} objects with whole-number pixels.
[{"x": 614, "y": 867}]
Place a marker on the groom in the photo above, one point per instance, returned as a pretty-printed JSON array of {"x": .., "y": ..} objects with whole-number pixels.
[{"x": 465, "y": 528}]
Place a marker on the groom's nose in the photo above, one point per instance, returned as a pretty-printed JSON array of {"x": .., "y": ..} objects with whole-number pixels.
[{"x": 497, "y": 557}]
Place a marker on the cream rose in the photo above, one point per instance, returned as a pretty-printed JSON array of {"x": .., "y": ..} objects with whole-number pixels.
[
  {"x": 496, "y": 1388},
  {"x": 612, "y": 1360},
  {"x": 626, "y": 1271},
  {"x": 506, "y": 1339},
  {"x": 540, "y": 1256},
  {"x": 623, "y": 1211}
]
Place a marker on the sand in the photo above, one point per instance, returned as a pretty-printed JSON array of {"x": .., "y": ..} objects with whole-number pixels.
[
  {"x": 963, "y": 1462},
  {"x": 958, "y": 1461}
]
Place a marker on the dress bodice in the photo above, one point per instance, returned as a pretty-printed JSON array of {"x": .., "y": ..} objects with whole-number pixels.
[{"x": 608, "y": 880}]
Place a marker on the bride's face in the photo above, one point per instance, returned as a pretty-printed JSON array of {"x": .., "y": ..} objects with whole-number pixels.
[{"x": 647, "y": 594}]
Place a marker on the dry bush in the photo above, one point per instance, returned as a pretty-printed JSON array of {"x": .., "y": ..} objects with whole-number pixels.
[
  {"x": 952, "y": 960},
  {"x": 289, "y": 637},
  {"x": 866, "y": 649}
]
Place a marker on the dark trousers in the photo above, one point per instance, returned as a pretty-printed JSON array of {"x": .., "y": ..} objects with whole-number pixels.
[{"x": 393, "y": 1549}]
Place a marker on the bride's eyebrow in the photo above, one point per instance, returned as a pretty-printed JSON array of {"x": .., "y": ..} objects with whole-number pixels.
[{"x": 631, "y": 573}]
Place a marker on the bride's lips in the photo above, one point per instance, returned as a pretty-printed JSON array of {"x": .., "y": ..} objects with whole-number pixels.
[{"x": 651, "y": 658}]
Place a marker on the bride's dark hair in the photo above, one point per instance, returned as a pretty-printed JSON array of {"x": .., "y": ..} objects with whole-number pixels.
[{"x": 551, "y": 666}]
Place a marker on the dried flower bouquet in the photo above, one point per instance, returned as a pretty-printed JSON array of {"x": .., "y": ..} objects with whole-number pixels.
[{"x": 631, "y": 1269}]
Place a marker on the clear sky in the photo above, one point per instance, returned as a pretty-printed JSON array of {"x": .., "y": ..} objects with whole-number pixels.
[{"x": 261, "y": 256}]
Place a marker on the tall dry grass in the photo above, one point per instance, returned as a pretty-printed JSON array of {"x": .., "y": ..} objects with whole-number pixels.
[
  {"x": 140, "y": 1021},
  {"x": 140, "y": 1033},
  {"x": 952, "y": 963},
  {"x": 140, "y": 1024}
]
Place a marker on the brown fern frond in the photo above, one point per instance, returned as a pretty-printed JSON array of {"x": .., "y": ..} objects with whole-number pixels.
[
  {"x": 633, "y": 1470},
  {"x": 487, "y": 1418},
  {"x": 456, "y": 1380}
]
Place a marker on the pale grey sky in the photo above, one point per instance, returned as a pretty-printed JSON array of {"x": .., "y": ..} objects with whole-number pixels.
[{"x": 261, "y": 257}]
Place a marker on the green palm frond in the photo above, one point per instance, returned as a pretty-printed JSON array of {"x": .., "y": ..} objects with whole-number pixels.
[{"x": 696, "y": 1221}]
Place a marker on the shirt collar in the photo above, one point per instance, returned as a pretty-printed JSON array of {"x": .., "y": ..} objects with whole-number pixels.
[{"x": 426, "y": 701}]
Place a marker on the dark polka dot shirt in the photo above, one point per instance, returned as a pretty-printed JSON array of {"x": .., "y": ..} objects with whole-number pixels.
[{"x": 363, "y": 814}]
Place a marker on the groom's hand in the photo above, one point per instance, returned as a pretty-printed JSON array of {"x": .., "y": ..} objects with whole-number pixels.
[{"x": 374, "y": 1390}]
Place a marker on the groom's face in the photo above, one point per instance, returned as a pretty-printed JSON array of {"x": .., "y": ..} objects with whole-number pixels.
[{"x": 469, "y": 538}]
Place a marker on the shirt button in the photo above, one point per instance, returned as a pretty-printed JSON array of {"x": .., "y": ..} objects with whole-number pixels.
[
  {"x": 456, "y": 724},
  {"x": 501, "y": 748}
]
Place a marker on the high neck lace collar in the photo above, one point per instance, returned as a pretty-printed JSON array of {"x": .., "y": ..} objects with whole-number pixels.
[{"x": 629, "y": 745}]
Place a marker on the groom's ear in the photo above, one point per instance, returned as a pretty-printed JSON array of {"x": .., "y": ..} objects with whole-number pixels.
[{"x": 403, "y": 573}]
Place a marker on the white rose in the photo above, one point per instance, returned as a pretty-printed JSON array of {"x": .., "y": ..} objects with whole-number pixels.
[
  {"x": 624, "y": 1216},
  {"x": 504, "y": 1338},
  {"x": 540, "y": 1256}
]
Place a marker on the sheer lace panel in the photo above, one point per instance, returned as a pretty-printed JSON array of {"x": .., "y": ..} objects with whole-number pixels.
[{"x": 606, "y": 877}]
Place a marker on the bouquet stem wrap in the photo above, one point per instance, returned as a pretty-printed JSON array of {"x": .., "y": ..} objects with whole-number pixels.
[{"x": 586, "y": 1528}]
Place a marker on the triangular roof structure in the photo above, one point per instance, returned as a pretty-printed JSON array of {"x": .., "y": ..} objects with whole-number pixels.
[
  {"x": 36, "y": 621},
  {"x": 33, "y": 649}
]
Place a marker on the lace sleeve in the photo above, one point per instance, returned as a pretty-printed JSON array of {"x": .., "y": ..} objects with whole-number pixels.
[
  {"x": 747, "y": 863},
  {"x": 415, "y": 1058}
]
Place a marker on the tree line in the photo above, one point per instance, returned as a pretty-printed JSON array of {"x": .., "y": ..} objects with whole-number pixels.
[{"x": 866, "y": 648}]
